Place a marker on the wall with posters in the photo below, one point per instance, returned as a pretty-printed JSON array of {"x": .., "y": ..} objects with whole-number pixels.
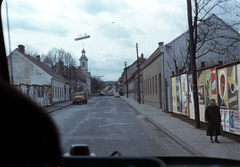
[
  {"x": 180, "y": 94},
  {"x": 37, "y": 93},
  {"x": 221, "y": 84},
  {"x": 228, "y": 96}
]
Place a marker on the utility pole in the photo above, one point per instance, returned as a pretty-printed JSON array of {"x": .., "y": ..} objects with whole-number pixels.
[
  {"x": 126, "y": 77},
  {"x": 139, "y": 95},
  {"x": 9, "y": 43},
  {"x": 193, "y": 63}
]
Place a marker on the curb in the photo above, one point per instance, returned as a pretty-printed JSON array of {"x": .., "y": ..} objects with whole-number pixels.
[
  {"x": 58, "y": 108},
  {"x": 182, "y": 143}
]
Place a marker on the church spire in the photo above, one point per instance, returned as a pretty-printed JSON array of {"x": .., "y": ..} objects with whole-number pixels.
[{"x": 83, "y": 61}]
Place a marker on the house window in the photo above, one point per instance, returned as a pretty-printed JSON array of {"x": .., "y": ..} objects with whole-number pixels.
[
  {"x": 83, "y": 64},
  {"x": 153, "y": 84},
  {"x": 156, "y": 83}
]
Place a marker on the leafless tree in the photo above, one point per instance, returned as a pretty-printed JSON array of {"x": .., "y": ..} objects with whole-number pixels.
[
  {"x": 96, "y": 84},
  {"x": 211, "y": 35}
]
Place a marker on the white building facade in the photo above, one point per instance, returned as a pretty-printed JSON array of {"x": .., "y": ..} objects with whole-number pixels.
[{"x": 34, "y": 74}]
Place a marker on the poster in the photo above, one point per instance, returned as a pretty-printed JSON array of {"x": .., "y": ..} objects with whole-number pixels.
[
  {"x": 178, "y": 94},
  {"x": 200, "y": 78},
  {"x": 174, "y": 98},
  {"x": 184, "y": 91},
  {"x": 236, "y": 122},
  {"x": 31, "y": 93},
  {"x": 231, "y": 121},
  {"x": 222, "y": 113},
  {"x": 222, "y": 88},
  {"x": 207, "y": 87},
  {"x": 24, "y": 90},
  {"x": 190, "y": 88},
  {"x": 232, "y": 88},
  {"x": 213, "y": 84},
  {"x": 238, "y": 80},
  {"x": 226, "y": 120}
]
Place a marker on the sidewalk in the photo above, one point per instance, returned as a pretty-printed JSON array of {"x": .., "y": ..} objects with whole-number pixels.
[
  {"x": 194, "y": 140},
  {"x": 57, "y": 106}
]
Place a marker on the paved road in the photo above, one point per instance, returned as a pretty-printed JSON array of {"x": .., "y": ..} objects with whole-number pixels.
[{"x": 108, "y": 124}]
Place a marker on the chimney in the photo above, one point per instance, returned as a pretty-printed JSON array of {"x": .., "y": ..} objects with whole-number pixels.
[
  {"x": 38, "y": 57},
  {"x": 202, "y": 64},
  {"x": 141, "y": 55},
  {"x": 220, "y": 63},
  {"x": 21, "y": 48},
  {"x": 160, "y": 44}
]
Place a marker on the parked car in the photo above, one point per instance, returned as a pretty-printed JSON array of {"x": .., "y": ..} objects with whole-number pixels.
[
  {"x": 79, "y": 97},
  {"x": 117, "y": 94}
]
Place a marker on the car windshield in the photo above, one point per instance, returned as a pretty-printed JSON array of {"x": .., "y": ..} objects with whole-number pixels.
[
  {"x": 78, "y": 94},
  {"x": 176, "y": 70}
]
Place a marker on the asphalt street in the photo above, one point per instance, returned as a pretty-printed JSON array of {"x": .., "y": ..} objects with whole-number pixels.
[{"x": 109, "y": 124}]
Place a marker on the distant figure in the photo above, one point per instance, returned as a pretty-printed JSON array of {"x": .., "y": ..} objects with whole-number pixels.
[{"x": 213, "y": 120}]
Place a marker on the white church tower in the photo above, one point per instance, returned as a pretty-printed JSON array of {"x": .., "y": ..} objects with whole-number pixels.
[
  {"x": 84, "y": 61},
  {"x": 84, "y": 69}
]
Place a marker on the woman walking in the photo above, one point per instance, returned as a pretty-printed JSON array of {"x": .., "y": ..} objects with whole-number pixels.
[{"x": 213, "y": 120}]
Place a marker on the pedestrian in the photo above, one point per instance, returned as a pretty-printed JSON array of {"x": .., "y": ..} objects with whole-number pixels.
[{"x": 213, "y": 120}]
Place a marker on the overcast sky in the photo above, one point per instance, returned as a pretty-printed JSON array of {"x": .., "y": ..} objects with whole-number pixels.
[{"x": 115, "y": 26}]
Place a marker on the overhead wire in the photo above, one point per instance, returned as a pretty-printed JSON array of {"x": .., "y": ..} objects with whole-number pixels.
[{"x": 122, "y": 18}]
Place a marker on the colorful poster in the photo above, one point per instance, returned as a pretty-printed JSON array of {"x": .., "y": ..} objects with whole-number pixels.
[
  {"x": 226, "y": 120},
  {"x": 174, "y": 98},
  {"x": 190, "y": 88},
  {"x": 200, "y": 75},
  {"x": 236, "y": 122},
  {"x": 213, "y": 84},
  {"x": 238, "y": 80},
  {"x": 222, "y": 88},
  {"x": 207, "y": 87},
  {"x": 178, "y": 94},
  {"x": 222, "y": 113},
  {"x": 232, "y": 87},
  {"x": 184, "y": 91},
  {"x": 231, "y": 121}
]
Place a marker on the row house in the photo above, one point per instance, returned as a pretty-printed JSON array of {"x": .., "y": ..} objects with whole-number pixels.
[{"x": 129, "y": 79}]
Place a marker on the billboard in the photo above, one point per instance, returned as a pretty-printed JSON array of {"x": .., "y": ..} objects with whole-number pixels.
[
  {"x": 184, "y": 88},
  {"x": 232, "y": 87},
  {"x": 200, "y": 78},
  {"x": 174, "y": 97},
  {"x": 178, "y": 94},
  {"x": 222, "y": 88},
  {"x": 213, "y": 84},
  {"x": 207, "y": 87}
]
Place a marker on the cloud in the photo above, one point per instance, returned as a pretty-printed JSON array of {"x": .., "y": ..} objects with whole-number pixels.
[
  {"x": 21, "y": 7},
  {"x": 27, "y": 25},
  {"x": 95, "y": 7}
]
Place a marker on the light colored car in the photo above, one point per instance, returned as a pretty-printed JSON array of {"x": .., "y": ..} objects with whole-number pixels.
[{"x": 117, "y": 94}]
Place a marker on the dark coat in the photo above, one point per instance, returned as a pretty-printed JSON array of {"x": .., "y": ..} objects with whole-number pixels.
[{"x": 212, "y": 115}]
